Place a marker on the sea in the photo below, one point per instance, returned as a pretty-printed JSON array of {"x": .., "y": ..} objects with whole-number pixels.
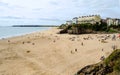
[{"x": 7, "y": 31}]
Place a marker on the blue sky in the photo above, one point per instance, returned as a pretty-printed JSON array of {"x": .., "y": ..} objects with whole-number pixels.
[{"x": 54, "y": 12}]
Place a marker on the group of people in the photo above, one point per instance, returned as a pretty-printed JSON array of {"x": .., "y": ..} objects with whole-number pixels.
[{"x": 114, "y": 37}]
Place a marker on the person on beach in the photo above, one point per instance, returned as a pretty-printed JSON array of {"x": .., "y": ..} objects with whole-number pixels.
[
  {"x": 102, "y": 58},
  {"x": 119, "y": 36},
  {"x": 114, "y": 47},
  {"x": 114, "y": 37},
  {"x": 82, "y": 43}
]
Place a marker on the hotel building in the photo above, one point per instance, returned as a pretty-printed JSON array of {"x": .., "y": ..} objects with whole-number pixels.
[
  {"x": 89, "y": 19},
  {"x": 113, "y": 21}
]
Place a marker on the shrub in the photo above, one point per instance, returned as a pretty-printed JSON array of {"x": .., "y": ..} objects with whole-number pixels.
[{"x": 111, "y": 30}]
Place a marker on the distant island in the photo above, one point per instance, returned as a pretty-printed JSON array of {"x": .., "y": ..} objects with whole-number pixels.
[{"x": 35, "y": 26}]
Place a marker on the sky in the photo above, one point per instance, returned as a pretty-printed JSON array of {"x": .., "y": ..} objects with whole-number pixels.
[{"x": 53, "y": 12}]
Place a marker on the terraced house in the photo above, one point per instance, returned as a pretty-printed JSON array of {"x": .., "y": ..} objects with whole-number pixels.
[
  {"x": 113, "y": 21},
  {"x": 85, "y": 19},
  {"x": 89, "y": 19}
]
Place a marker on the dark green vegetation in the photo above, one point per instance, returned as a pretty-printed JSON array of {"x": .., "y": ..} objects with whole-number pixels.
[
  {"x": 89, "y": 28},
  {"x": 109, "y": 66},
  {"x": 114, "y": 60}
]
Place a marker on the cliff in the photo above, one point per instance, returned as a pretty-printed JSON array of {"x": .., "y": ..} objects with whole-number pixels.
[{"x": 109, "y": 66}]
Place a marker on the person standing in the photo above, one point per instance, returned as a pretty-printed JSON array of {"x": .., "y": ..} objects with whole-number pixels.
[
  {"x": 119, "y": 36},
  {"x": 114, "y": 37}
]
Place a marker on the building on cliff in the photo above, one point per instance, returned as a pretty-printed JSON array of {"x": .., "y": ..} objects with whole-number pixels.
[
  {"x": 113, "y": 21},
  {"x": 89, "y": 19},
  {"x": 93, "y": 19}
]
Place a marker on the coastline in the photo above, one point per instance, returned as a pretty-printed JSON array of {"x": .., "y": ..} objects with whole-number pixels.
[
  {"x": 23, "y": 33},
  {"x": 49, "y": 53}
]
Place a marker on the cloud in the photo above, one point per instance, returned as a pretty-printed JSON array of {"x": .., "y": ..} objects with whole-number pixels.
[
  {"x": 50, "y": 19},
  {"x": 7, "y": 5},
  {"x": 119, "y": 2},
  {"x": 75, "y": 0},
  {"x": 3, "y": 4},
  {"x": 11, "y": 17},
  {"x": 96, "y": 4},
  {"x": 54, "y": 2},
  {"x": 37, "y": 9},
  {"x": 56, "y": 11}
]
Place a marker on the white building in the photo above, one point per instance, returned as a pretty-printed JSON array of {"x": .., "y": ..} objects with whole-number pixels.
[
  {"x": 109, "y": 21},
  {"x": 89, "y": 19},
  {"x": 113, "y": 21}
]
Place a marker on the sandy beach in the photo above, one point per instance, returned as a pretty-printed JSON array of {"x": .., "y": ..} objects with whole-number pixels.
[{"x": 49, "y": 53}]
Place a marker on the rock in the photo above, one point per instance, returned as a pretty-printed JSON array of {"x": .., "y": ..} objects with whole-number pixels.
[{"x": 105, "y": 67}]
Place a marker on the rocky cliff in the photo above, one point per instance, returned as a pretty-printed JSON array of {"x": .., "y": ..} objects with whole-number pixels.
[{"x": 109, "y": 66}]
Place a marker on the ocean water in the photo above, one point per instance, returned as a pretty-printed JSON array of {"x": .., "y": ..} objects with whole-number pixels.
[{"x": 6, "y": 32}]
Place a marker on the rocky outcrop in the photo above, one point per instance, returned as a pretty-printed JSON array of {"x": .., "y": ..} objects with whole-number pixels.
[
  {"x": 107, "y": 67},
  {"x": 97, "y": 69},
  {"x": 76, "y": 31}
]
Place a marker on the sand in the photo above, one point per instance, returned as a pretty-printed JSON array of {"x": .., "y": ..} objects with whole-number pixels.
[{"x": 49, "y": 53}]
